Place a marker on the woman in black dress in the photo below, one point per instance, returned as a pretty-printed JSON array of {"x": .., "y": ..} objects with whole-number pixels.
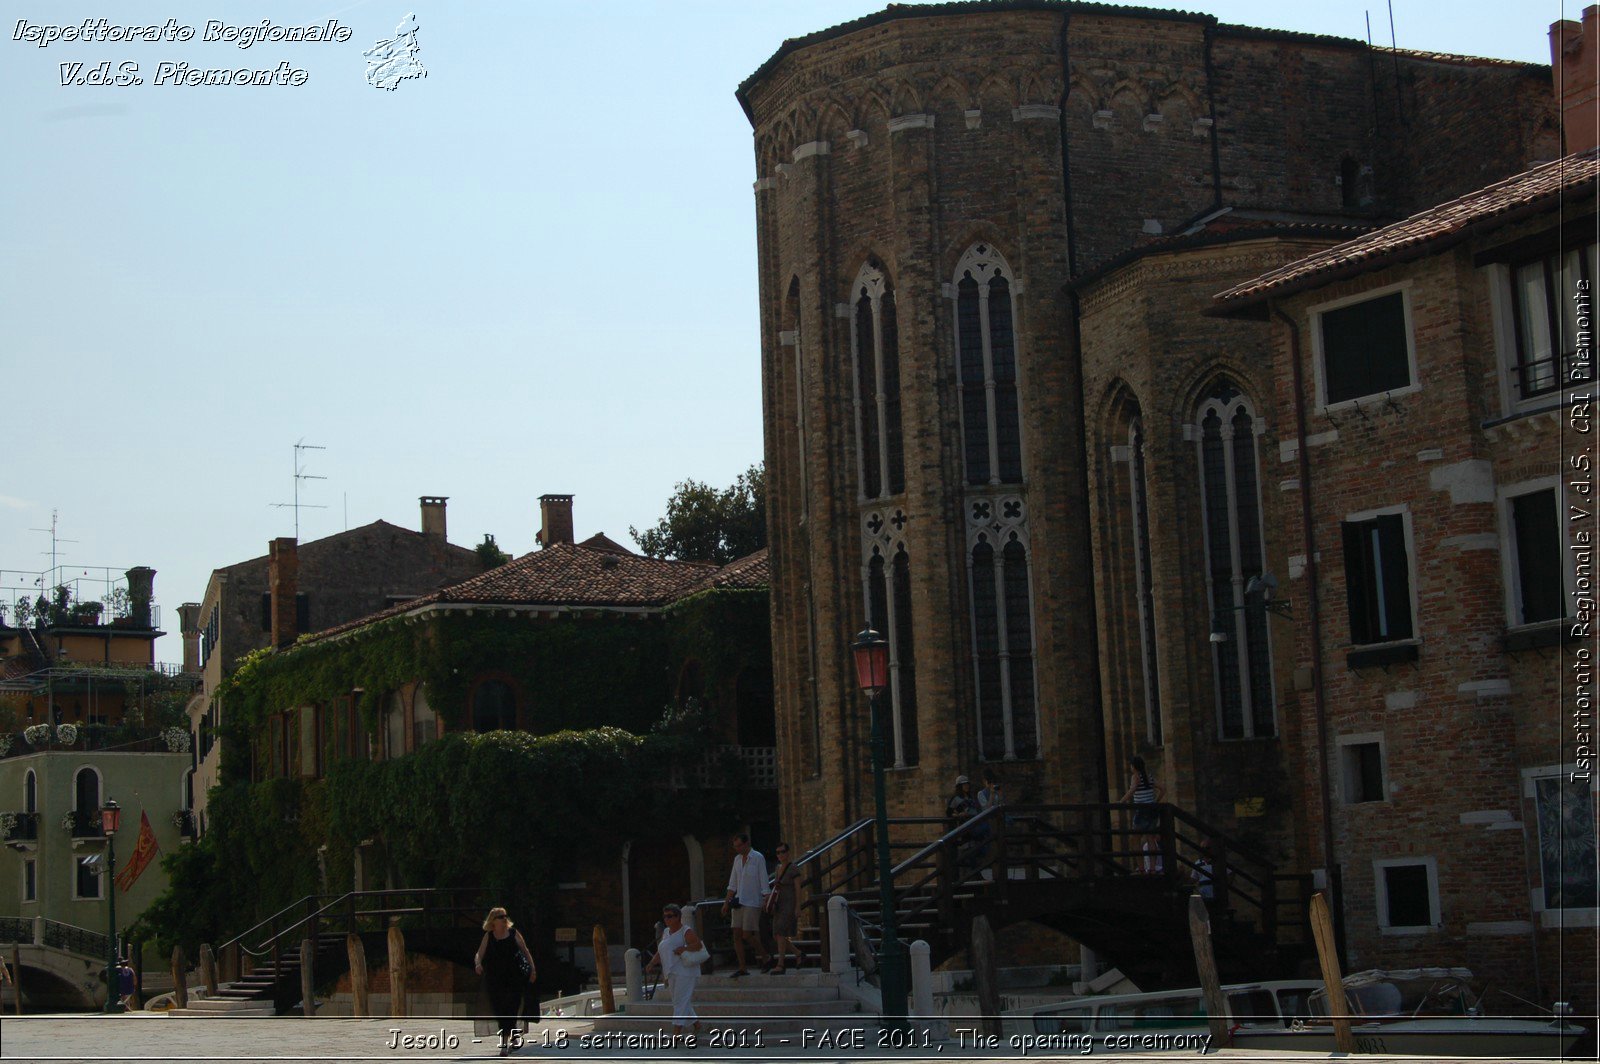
[{"x": 507, "y": 967}]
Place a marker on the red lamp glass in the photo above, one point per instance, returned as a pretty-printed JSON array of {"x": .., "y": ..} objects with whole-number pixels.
[
  {"x": 872, "y": 661},
  {"x": 110, "y": 816}
]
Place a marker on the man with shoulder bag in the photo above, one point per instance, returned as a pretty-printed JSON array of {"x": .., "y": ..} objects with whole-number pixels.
[{"x": 747, "y": 887}]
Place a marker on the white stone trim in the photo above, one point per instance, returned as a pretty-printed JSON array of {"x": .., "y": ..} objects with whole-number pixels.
[
  {"x": 1121, "y": 453},
  {"x": 1475, "y": 541},
  {"x": 789, "y": 337},
  {"x": 810, "y": 148},
  {"x": 1030, "y": 112},
  {"x": 911, "y": 121},
  {"x": 1102, "y": 119},
  {"x": 974, "y": 117},
  {"x": 1398, "y": 700},
  {"x": 1380, "y": 890},
  {"x": 1322, "y": 406},
  {"x": 1201, "y": 127},
  {"x": 1486, "y": 817},
  {"x": 858, "y": 138},
  {"x": 1343, "y": 782},
  {"x": 1501, "y": 927},
  {"x": 1153, "y": 123},
  {"x": 1431, "y": 454},
  {"x": 764, "y": 184}
]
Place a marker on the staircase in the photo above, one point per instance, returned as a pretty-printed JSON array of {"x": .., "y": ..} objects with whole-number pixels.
[
  {"x": 256, "y": 994},
  {"x": 771, "y": 1006},
  {"x": 1071, "y": 867}
]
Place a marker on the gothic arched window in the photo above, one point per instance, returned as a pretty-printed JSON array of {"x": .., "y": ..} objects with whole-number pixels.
[
  {"x": 1231, "y": 498},
  {"x": 1002, "y": 630},
  {"x": 889, "y": 611},
  {"x": 1144, "y": 585},
  {"x": 875, "y": 340},
  {"x": 987, "y": 367}
]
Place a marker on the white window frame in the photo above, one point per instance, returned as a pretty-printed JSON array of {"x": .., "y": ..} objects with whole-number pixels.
[
  {"x": 1380, "y": 893},
  {"x": 32, "y": 776},
  {"x": 1554, "y": 918},
  {"x": 1404, "y": 510},
  {"x": 22, "y": 884},
  {"x": 1498, "y": 277},
  {"x": 985, "y": 265},
  {"x": 1238, "y": 637},
  {"x": 998, "y": 541},
  {"x": 1508, "y": 551},
  {"x": 1318, "y": 355},
  {"x": 1344, "y": 742},
  {"x": 99, "y": 879},
  {"x": 99, "y": 785}
]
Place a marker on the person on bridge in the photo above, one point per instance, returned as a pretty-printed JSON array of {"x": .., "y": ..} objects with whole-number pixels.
[
  {"x": 677, "y": 944},
  {"x": 784, "y": 905},
  {"x": 747, "y": 887},
  {"x": 508, "y": 970},
  {"x": 1142, "y": 791}
]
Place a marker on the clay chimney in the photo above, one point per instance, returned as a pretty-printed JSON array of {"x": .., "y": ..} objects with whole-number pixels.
[
  {"x": 433, "y": 516},
  {"x": 141, "y": 590},
  {"x": 283, "y": 584},
  {"x": 555, "y": 516},
  {"x": 1574, "y": 65},
  {"x": 189, "y": 627}
]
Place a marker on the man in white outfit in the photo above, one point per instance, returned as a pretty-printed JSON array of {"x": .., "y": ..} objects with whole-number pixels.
[{"x": 747, "y": 888}]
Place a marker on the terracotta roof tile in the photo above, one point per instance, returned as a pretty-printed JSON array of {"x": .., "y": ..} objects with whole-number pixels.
[
  {"x": 751, "y": 571},
  {"x": 1430, "y": 231}
]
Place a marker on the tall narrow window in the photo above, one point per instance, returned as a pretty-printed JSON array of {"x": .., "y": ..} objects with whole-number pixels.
[
  {"x": 889, "y": 611},
  {"x": 875, "y": 339},
  {"x": 1144, "y": 584},
  {"x": 1377, "y": 579},
  {"x": 1231, "y": 498},
  {"x": 987, "y": 368},
  {"x": 1002, "y": 629},
  {"x": 1545, "y": 320},
  {"x": 1536, "y": 585}
]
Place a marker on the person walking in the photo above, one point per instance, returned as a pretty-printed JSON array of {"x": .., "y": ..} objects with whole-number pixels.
[
  {"x": 784, "y": 905},
  {"x": 508, "y": 972},
  {"x": 676, "y": 957},
  {"x": 747, "y": 887},
  {"x": 1142, "y": 791}
]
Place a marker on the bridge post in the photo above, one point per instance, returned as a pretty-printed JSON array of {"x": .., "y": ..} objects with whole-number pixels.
[
  {"x": 838, "y": 940},
  {"x": 985, "y": 975},
  {"x": 921, "y": 980},
  {"x": 38, "y": 930},
  {"x": 308, "y": 977},
  {"x": 180, "y": 978},
  {"x": 208, "y": 969},
  {"x": 356, "y": 950},
  {"x": 633, "y": 968},
  {"x": 602, "y": 969},
  {"x": 397, "y": 971}
]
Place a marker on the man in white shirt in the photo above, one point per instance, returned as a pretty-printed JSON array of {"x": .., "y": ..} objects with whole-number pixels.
[{"x": 747, "y": 887}]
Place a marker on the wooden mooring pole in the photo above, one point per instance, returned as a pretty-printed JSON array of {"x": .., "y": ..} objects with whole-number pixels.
[
  {"x": 357, "y": 951},
  {"x": 602, "y": 970},
  {"x": 1205, "y": 961},
  {"x": 1344, "y": 1040}
]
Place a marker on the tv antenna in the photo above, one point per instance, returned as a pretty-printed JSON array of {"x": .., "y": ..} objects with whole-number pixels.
[
  {"x": 55, "y": 538},
  {"x": 299, "y": 475}
]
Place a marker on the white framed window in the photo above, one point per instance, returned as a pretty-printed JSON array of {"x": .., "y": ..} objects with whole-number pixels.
[
  {"x": 394, "y": 725},
  {"x": 1235, "y": 553},
  {"x": 87, "y": 877},
  {"x": 1363, "y": 775},
  {"x": 1533, "y": 298},
  {"x": 1407, "y": 891},
  {"x": 30, "y": 792},
  {"x": 986, "y": 367},
  {"x": 1538, "y": 580},
  {"x": 30, "y": 879},
  {"x": 1568, "y": 890},
  {"x": 875, "y": 345},
  {"x": 1364, "y": 348},
  {"x": 424, "y": 722},
  {"x": 1379, "y": 582}
]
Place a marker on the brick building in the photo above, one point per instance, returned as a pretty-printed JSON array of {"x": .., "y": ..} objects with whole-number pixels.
[
  {"x": 1002, "y": 427},
  {"x": 318, "y": 585}
]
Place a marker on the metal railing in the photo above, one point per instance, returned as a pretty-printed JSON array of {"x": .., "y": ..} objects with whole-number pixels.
[
  {"x": 74, "y": 939},
  {"x": 20, "y": 827},
  {"x": 16, "y": 929}
]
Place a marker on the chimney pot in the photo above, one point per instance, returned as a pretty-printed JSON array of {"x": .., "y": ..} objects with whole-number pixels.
[
  {"x": 189, "y": 627},
  {"x": 141, "y": 590},
  {"x": 1574, "y": 49}
]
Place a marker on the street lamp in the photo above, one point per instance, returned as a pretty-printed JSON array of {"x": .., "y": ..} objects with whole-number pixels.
[
  {"x": 872, "y": 675},
  {"x": 110, "y": 820},
  {"x": 1260, "y": 589}
]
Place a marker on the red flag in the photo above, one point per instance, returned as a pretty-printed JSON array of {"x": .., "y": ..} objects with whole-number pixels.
[{"x": 143, "y": 853}]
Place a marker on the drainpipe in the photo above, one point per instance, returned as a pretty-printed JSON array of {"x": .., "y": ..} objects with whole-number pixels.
[
  {"x": 1096, "y": 709},
  {"x": 1319, "y": 693}
]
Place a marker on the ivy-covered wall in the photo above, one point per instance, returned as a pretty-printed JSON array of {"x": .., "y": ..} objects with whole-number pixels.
[{"x": 507, "y": 811}]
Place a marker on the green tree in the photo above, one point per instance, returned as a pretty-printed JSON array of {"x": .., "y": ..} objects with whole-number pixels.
[
  {"x": 490, "y": 556},
  {"x": 705, "y": 524}
]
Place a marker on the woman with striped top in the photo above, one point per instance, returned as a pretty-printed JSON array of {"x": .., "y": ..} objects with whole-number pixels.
[{"x": 1142, "y": 791}]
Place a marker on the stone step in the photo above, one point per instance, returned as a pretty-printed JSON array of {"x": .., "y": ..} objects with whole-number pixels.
[
  {"x": 224, "y": 1007},
  {"x": 770, "y": 1031},
  {"x": 749, "y": 1010},
  {"x": 804, "y": 978},
  {"x": 712, "y": 989}
]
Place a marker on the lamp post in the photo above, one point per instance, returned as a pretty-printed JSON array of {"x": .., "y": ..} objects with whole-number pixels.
[
  {"x": 110, "y": 820},
  {"x": 872, "y": 675}
]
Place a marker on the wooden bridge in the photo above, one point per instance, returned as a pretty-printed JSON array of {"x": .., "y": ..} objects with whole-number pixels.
[{"x": 1078, "y": 869}]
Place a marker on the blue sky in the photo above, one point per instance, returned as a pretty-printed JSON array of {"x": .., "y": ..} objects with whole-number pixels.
[{"x": 533, "y": 271}]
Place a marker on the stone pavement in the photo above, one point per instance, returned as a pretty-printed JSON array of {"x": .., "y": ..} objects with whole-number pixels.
[{"x": 152, "y": 1037}]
